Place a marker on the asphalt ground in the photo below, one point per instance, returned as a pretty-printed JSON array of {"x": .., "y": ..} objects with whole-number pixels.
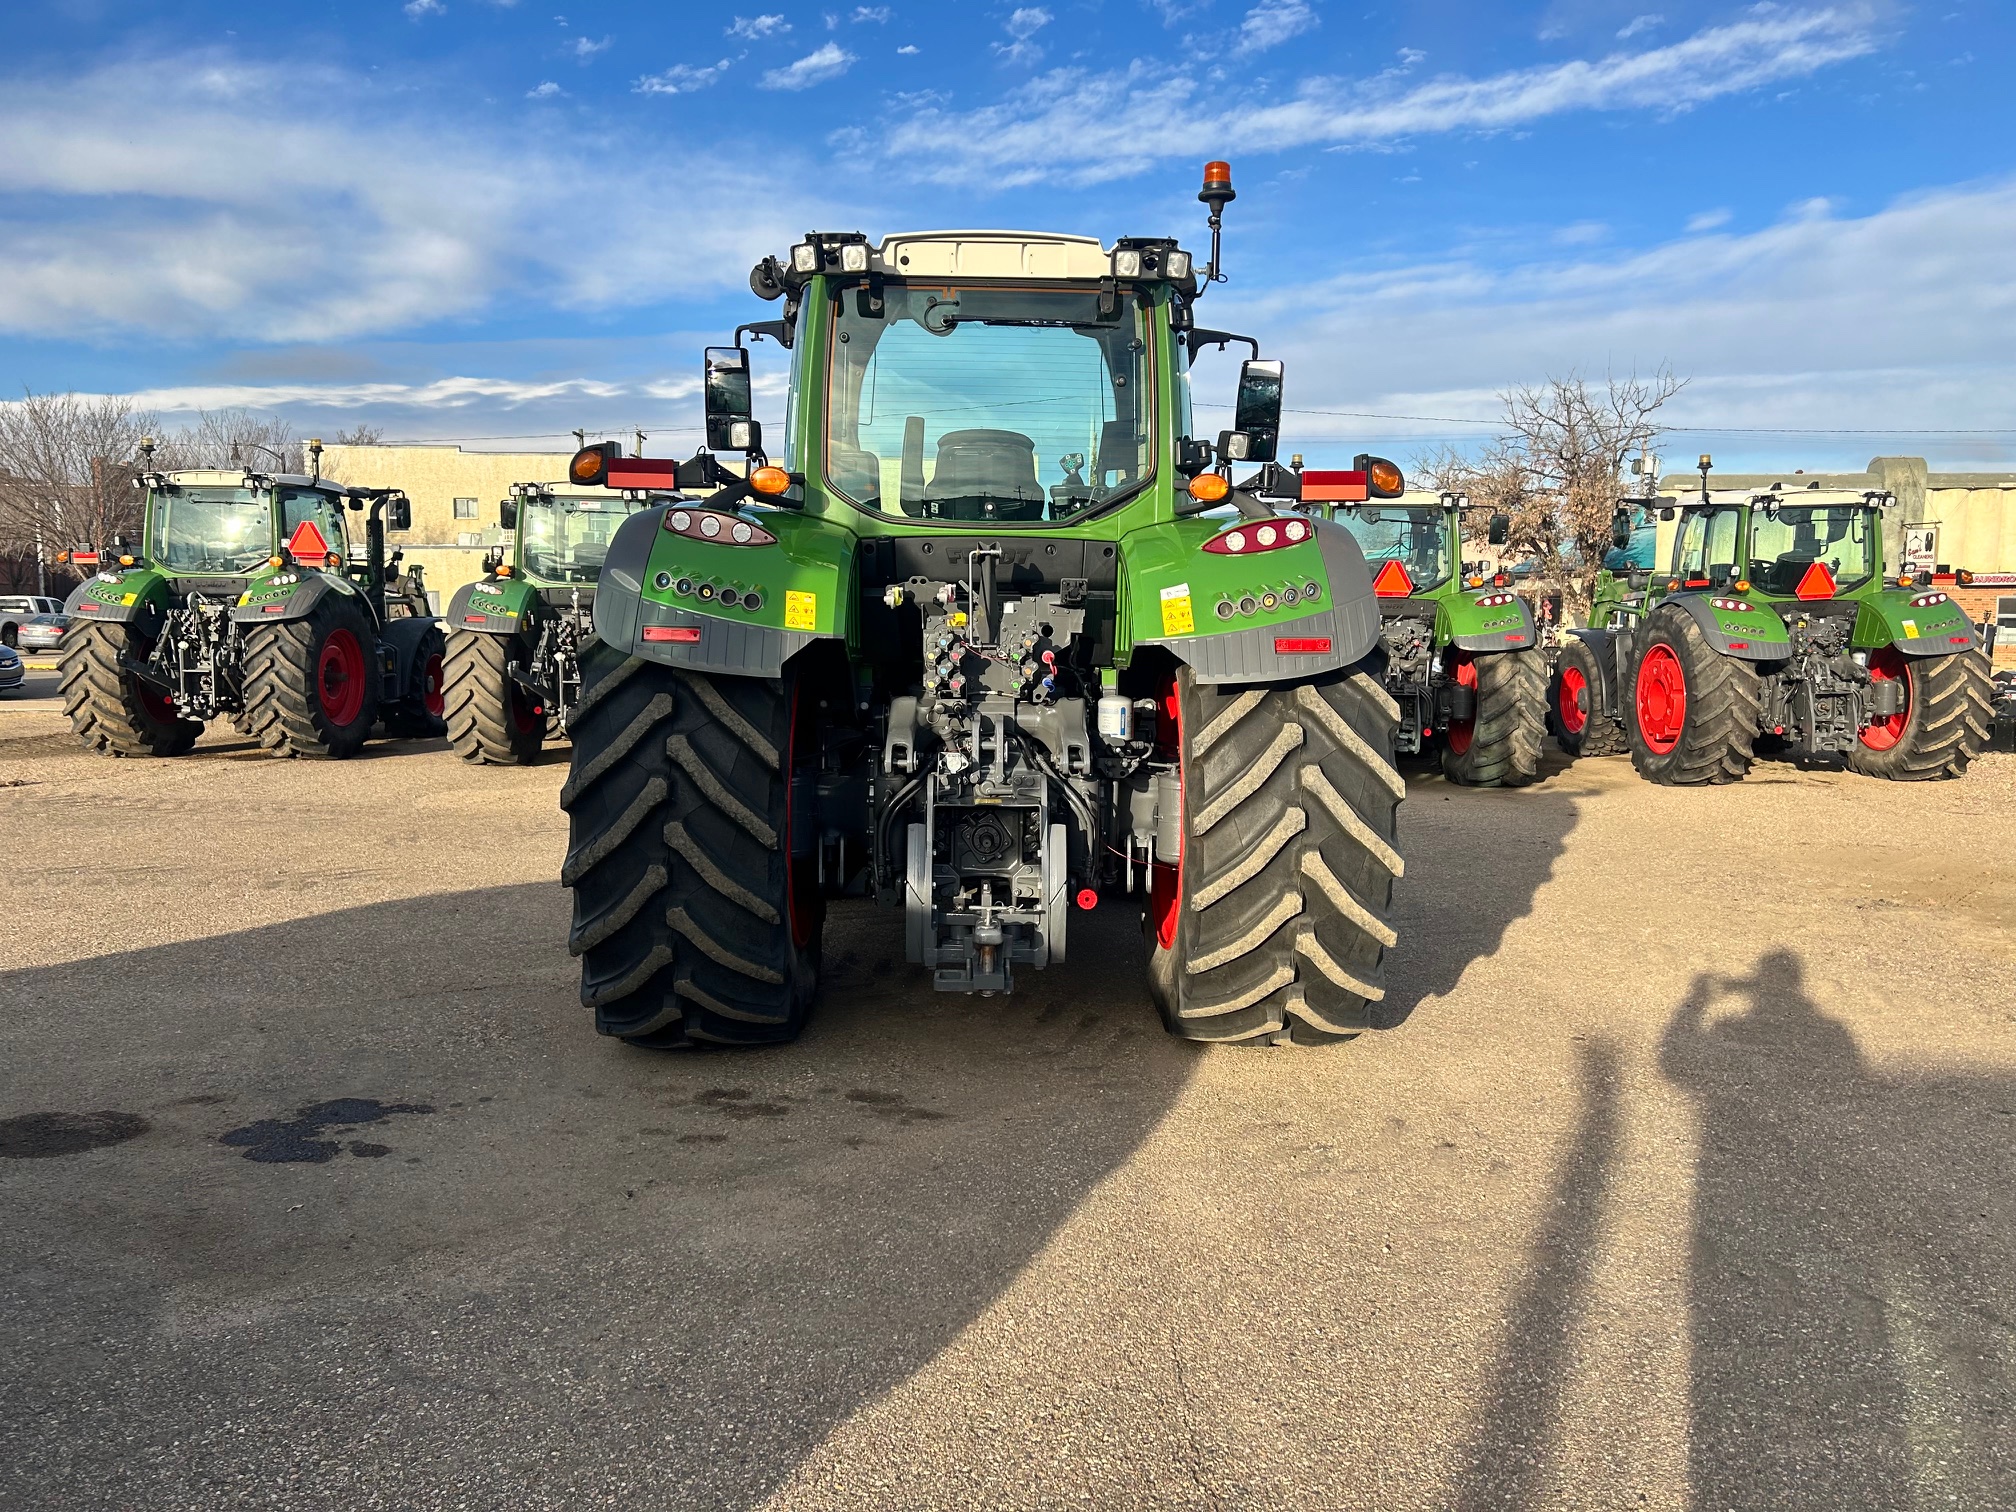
[{"x": 1678, "y": 1175}]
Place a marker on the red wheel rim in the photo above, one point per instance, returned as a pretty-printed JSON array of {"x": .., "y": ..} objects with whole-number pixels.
[
  {"x": 1460, "y": 731},
  {"x": 1165, "y": 881},
  {"x": 430, "y": 688},
  {"x": 339, "y": 677},
  {"x": 1571, "y": 701},
  {"x": 801, "y": 882},
  {"x": 1889, "y": 665},
  {"x": 1662, "y": 699}
]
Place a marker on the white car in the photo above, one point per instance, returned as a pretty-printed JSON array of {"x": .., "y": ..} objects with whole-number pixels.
[{"x": 16, "y": 607}]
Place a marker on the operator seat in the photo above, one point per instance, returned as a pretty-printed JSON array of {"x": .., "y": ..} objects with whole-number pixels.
[{"x": 985, "y": 475}]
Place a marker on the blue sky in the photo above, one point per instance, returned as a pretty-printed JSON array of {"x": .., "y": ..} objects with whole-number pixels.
[{"x": 466, "y": 219}]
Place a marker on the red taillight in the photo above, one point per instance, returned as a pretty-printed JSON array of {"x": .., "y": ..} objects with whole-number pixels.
[
  {"x": 681, "y": 635},
  {"x": 1500, "y": 579},
  {"x": 1818, "y": 583},
  {"x": 1301, "y": 645},
  {"x": 1270, "y": 535},
  {"x": 1333, "y": 487},
  {"x": 1393, "y": 581}
]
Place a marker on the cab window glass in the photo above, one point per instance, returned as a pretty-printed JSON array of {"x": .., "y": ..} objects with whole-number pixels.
[
  {"x": 1708, "y": 544},
  {"x": 297, "y": 506}
]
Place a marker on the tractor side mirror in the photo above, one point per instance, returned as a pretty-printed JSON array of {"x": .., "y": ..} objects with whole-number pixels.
[
  {"x": 399, "y": 514},
  {"x": 729, "y": 401},
  {"x": 1620, "y": 530},
  {"x": 507, "y": 514},
  {"x": 1499, "y": 531},
  {"x": 1257, "y": 413}
]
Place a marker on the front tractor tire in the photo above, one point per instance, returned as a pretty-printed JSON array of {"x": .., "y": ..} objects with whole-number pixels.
[
  {"x": 1273, "y": 924},
  {"x": 113, "y": 712},
  {"x": 1691, "y": 712},
  {"x": 1949, "y": 710},
  {"x": 1500, "y": 745},
  {"x": 311, "y": 684},
  {"x": 493, "y": 720},
  {"x": 1582, "y": 726},
  {"x": 693, "y": 925}
]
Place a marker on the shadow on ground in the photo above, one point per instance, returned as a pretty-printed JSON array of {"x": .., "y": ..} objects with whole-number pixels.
[{"x": 1851, "y": 1280}]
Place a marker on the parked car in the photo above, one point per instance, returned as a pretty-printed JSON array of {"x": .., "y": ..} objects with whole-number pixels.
[
  {"x": 43, "y": 633},
  {"x": 18, "y": 608},
  {"x": 12, "y": 672}
]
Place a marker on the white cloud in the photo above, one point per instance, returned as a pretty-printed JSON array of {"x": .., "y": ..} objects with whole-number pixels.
[
  {"x": 1639, "y": 24},
  {"x": 756, "y": 28},
  {"x": 1087, "y": 127},
  {"x": 1917, "y": 296},
  {"x": 877, "y": 14},
  {"x": 586, "y": 48},
  {"x": 182, "y": 197},
  {"x": 908, "y": 50},
  {"x": 545, "y": 91},
  {"x": 1708, "y": 220},
  {"x": 1022, "y": 26},
  {"x": 816, "y": 67},
  {"x": 418, "y": 8},
  {"x": 680, "y": 78},
  {"x": 1272, "y": 22}
]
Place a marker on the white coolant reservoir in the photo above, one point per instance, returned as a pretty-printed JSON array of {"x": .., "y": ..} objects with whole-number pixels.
[{"x": 1116, "y": 719}]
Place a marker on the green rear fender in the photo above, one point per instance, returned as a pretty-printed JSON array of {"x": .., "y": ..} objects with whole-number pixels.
[
  {"x": 718, "y": 607},
  {"x": 1891, "y": 619},
  {"x": 1248, "y": 617},
  {"x": 267, "y": 602},
  {"x": 1470, "y": 626},
  {"x": 492, "y": 606},
  {"x": 138, "y": 596}
]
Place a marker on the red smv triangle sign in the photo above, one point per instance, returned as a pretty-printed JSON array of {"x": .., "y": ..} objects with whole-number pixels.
[
  {"x": 307, "y": 543},
  {"x": 1818, "y": 583},
  {"x": 1393, "y": 581}
]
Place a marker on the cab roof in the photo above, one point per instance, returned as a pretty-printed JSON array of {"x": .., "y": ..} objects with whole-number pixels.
[
  {"x": 992, "y": 254},
  {"x": 234, "y": 477}
]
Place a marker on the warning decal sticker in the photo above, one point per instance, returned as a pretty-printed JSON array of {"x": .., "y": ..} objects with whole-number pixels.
[
  {"x": 1176, "y": 616},
  {"x": 801, "y": 610}
]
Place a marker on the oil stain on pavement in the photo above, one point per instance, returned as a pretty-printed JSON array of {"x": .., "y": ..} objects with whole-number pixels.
[
  {"x": 37, "y": 1136},
  {"x": 283, "y": 1141}
]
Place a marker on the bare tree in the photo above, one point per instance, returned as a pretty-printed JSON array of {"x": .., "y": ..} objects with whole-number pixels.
[
  {"x": 234, "y": 438},
  {"x": 360, "y": 435},
  {"x": 66, "y": 470},
  {"x": 1558, "y": 468}
]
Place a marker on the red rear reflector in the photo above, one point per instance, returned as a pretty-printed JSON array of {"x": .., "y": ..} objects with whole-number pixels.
[
  {"x": 1393, "y": 581},
  {"x": 88, "y": 608},
  {"x": 274, "y": 609},
  {"x": 682, "y": 635},
  {"x": 1333, "y": 487},
  {"x": 1739, "y": 645},
  {"x": 642, "y": 472},
  {"x": 84, "y": 558},
  {"x": 1818, "y": 583},
  {"x": 1301, "y": 645},
  {"x": 1959, "y": 640},
  {"x": 474, "y": 619},
  {"x": 1087, "y": 899}
]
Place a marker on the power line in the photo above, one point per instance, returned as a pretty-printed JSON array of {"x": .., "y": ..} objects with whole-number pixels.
[{"x": 1673, "y": 430}]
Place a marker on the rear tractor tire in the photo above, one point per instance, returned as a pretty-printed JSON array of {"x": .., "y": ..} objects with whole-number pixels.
[
  {"x": 1949, "y": 710},
  {"x": 1582, "y": 726},
  {"x": 1273, "y": 925},
  {"x": 493, "y": 720},
  {"x": 419, "y": 715},
  {"x": 693, "y": 925},
  {"x": 113, "y": 712},
  {"x": 1500, "y": 745},
  {"x": 1691, "y": 712},
  {"x": 311, "y": 684}
]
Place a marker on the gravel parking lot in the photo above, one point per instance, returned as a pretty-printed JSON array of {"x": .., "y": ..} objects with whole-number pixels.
[{"x": 1678, "y": 1174}]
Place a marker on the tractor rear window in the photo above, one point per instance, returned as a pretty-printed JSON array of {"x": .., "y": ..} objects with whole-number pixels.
[
  {"x": 995, "y": 405},
  {"x": 212, "y": 529},
  {"x": 1418, "y": 539},
  {"x": 567, "y": 539},
  {"x": 1787, "y": 539}
]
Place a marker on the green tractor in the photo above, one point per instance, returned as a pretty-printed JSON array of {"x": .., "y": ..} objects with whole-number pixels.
[
  {"x": 996, "y": 637},
  {"x": 1463, "y": 656},
  {"x": 1774, "y": 628},
  {"x": 516, "y": 635},
  {"x": 243, "y": 601}
]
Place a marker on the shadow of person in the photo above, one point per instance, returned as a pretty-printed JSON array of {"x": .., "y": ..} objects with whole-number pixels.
[{"x": 1797, "y": 1398}]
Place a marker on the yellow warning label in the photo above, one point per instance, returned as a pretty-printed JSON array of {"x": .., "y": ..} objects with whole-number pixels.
[
  {"x": 1176, "y": 616},
  {"x": 801, "y": 610},
  {"x": 128, "y": 598},
  {"x": 1910, "y": 629}
]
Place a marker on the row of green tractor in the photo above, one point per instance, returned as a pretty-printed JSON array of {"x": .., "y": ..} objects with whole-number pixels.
[{"x": 1002, "y": 634}]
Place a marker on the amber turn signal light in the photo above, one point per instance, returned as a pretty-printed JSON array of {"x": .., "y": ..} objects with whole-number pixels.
[
  {"x": 1210, "y": 488},
  {"x": 769, "y": 480},
  {"x": 1384, "y": 477},
  {"x": 590, "y": 465}
]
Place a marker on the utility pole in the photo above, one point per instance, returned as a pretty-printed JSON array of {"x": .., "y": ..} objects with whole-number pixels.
[{"x": 41, "y": 572}]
